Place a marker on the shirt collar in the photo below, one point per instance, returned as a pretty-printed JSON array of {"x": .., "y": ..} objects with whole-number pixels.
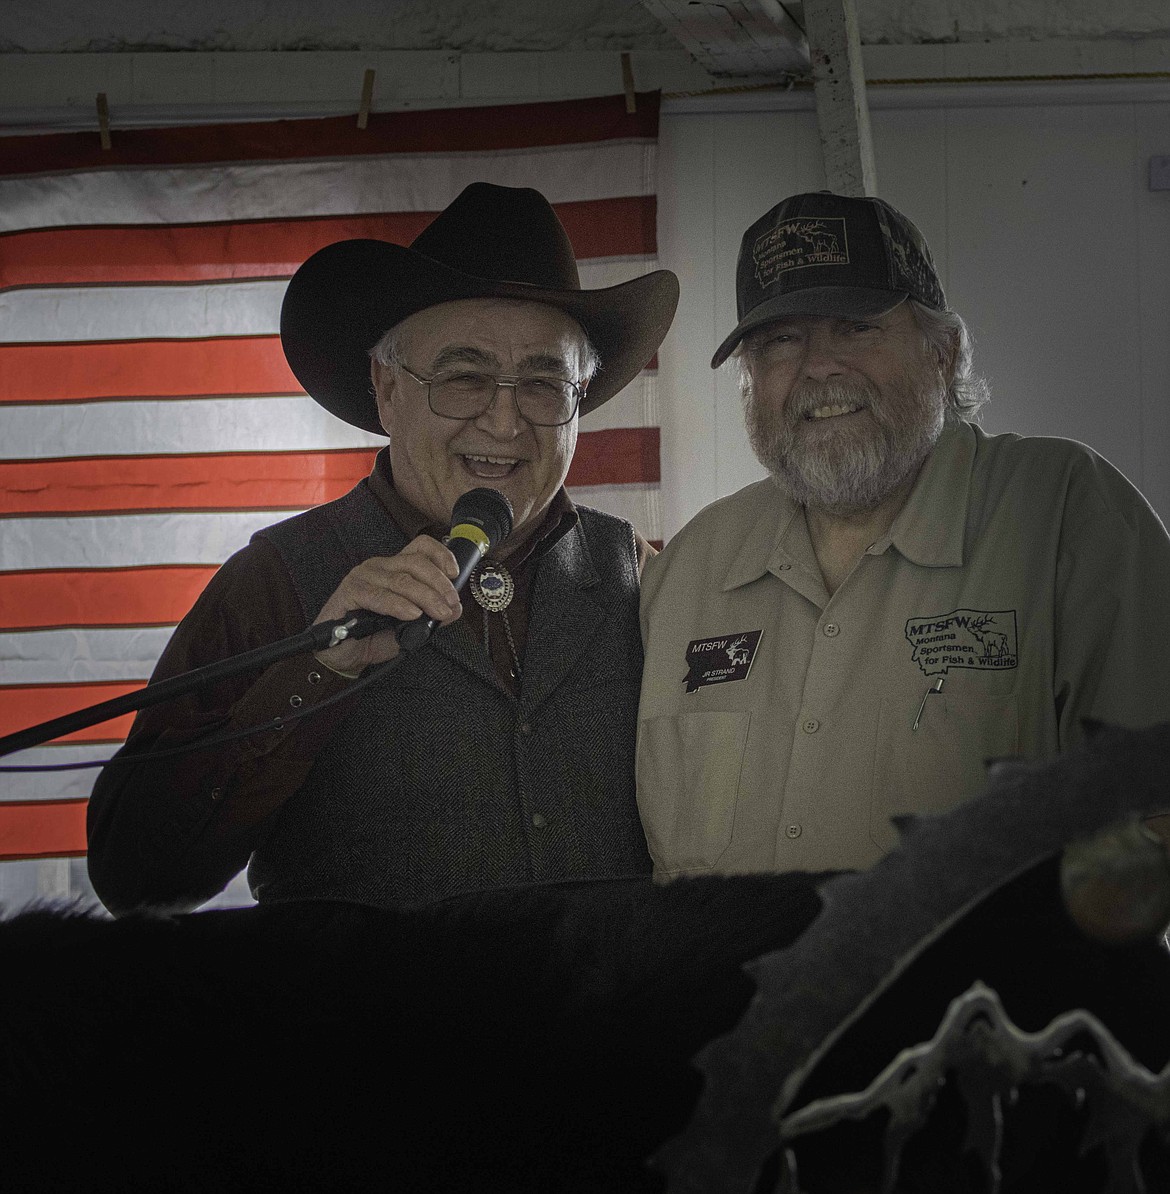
[
  {"x": 763, "y": 549},
  {"x": 928, "y": 530}
]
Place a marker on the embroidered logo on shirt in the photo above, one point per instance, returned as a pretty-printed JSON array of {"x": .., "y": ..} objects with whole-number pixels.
[
  {"x": 720, "y": 660},
  {"x": 964, "y": 638},
  {"x": 796, "y": 244}
]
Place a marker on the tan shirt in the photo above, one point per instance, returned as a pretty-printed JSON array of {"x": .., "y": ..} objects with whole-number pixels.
[{"x": 1026, "y": 574}]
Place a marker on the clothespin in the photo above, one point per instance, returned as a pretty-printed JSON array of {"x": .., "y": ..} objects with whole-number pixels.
[
  {"x": 628, "y": 84},
  {"x": 103, "y": 113},
  {"x": 367, "y": 96}
]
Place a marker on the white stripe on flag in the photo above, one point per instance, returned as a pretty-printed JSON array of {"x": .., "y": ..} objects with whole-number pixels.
[
  {"x": 320, "y": 187},
  {"x": 51, "y": 314},
  {"x": 80, "y": 656},
  {"x": 130, "y": 540},
  {"x": 294, "y": 423},
  {"x": 639, "y": 504},
  {"x": 290, "y": 423},
  {"x": 635, "y": 406},
  {"x": 53, "y": 785}
]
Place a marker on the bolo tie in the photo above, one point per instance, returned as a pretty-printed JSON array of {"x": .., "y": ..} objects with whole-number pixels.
[{"x": 493, "y": 589}]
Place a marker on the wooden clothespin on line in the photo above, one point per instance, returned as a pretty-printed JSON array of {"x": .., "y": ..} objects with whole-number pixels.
[
  {"x": 367, "y": 95},
  {"x": 103, "y": 113},
  {"x": 628, "y": 84}
]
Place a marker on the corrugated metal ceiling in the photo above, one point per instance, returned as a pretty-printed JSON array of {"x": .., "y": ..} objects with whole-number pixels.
[{"x": 58, "y": 26}]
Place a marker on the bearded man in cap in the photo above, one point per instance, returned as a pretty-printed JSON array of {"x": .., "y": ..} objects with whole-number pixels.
[
  {"x": 904, "y": 598},
  {"x": 503, "y": 752}
]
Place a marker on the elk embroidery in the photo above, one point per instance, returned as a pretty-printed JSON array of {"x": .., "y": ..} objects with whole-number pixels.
[
  {"x": 995, "y": 642},
  {"x": 737, "y": 652}
]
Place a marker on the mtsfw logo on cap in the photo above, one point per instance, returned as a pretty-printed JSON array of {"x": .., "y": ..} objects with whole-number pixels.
[{"x": 797, "y": 244}]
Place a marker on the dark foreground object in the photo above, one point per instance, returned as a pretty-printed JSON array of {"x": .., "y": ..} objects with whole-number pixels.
[
  {"x": 533, "y": 1040},
  {"x": 888, "y": 1049},
  {"x": 539, "y": 1041},
  {"x": 992, "y": 1125}
]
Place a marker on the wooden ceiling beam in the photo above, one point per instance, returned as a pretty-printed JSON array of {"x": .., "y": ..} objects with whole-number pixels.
[
  {"x": 842, "y": 108},
  {"x": 740, "y": 39}
]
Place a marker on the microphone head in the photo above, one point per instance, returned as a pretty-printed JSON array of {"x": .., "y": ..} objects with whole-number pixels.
[{"x": 487, "y": 509}]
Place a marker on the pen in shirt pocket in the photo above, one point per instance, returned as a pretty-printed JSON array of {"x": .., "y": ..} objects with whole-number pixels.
[{"x": 935, "y": 688}]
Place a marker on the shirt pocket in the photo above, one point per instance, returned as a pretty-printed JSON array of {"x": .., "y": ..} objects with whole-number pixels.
[
  {"x": 688, "y": 782},
  {"x": 941, "y": 764}
]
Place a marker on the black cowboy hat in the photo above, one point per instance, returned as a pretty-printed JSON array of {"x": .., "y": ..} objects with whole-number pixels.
[{"x": 491, "y": 242}]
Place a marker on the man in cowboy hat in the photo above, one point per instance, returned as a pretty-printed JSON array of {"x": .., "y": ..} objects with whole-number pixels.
[
  {"x": 501, "y": 754},
  {"x": 904, "y": 598}
]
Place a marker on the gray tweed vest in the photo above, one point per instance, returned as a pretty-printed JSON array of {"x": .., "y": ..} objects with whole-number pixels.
[{"x": 440, "y": 781}]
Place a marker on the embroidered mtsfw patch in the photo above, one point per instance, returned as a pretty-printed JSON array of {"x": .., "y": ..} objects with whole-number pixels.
[
  {"x": 796, "y": 244},
  {"x": 964, "y": 638},
  {"x": 722, "y": 659}
]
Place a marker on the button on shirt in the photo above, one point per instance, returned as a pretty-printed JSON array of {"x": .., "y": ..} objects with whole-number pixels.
[{"x": 1027, "y": 574}]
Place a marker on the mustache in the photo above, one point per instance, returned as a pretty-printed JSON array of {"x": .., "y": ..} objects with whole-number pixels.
[{"x": 807, "y": 396}]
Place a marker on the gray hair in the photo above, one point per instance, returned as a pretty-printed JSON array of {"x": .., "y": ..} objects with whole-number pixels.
[
  {"x": 946, "y": 335},
  {"x": 388, "y": 350}
]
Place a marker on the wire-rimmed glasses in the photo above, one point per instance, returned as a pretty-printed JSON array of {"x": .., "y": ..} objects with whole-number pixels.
[{"x": 466, "y": 394}]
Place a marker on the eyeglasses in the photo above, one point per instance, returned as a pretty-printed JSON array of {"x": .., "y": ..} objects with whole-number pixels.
[{"x": 465, "y": 394}]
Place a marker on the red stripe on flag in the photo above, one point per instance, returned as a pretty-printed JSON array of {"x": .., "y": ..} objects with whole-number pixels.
[
  {"x": 263, "y": 480},
  {"x": 185, "y": 252},
  {"x": 227, "y": 481},
  {"x": 616, "y": 456},
  {"x": 149, "y": 596},
  {"x": 441, "y": 130},
  {"x": 82, "y": 370},
  {"x": 24, "y": 705},
  {"x": 621, "y": 227},
  {"x": 42, "y": 829}
]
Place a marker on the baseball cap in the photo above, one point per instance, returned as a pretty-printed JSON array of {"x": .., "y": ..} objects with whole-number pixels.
[{"x": 825, "y": 254}]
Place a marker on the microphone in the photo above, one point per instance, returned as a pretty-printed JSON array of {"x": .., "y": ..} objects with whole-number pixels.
[{"x": 481, "y": 519}]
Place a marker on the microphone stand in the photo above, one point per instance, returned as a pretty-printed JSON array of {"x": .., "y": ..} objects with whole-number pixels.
[
  {"x": 480, "y": 517},
  {"x": 356, "y": 624}
]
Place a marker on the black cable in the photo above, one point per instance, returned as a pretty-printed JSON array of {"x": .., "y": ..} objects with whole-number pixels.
[{"x": 277, "y": 723}]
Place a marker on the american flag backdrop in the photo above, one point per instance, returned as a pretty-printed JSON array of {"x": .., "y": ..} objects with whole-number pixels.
[{"x": 148, "y": 421}]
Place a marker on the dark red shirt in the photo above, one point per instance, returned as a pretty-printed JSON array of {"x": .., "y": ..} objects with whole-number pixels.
[{"x": 179, "y": 813}]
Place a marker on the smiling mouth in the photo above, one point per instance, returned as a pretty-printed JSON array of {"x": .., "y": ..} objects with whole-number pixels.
[
  {"x": 831, "y": 411},
  {"x": 489, "y": 466}
]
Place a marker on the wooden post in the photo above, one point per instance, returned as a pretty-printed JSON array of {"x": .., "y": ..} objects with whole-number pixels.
[
  {"x": 628, "y": 84},
  {"x": 839, "y": 83},
  {"x": 103, "y": 113},
  {"x": 367, "y": 97}
]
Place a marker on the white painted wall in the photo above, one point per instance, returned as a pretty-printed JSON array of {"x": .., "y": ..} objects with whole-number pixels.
[{"x": 1048, "y": 241}]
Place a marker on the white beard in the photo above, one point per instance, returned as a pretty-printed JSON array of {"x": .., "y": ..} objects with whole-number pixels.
[{"x": 855, "y": 467}]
